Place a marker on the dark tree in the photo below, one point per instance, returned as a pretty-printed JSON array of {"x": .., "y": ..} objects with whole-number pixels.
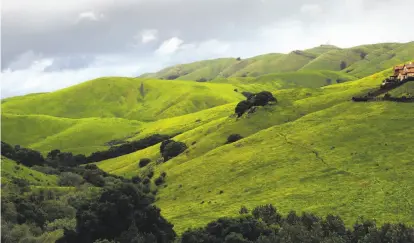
[
  {"x": 7, "y": 150},
  {"x": 173, "y": 149},
  {"x": 233, "y": 138},
  {"x": 119, "y": 213},
  {"x": 343, "y": 65},
  {"x": 242, "y": 107},
  {"x": 143, "y": 162}
]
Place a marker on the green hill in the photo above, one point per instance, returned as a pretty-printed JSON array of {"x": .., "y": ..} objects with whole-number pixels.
[
  {"x": 358, "y": 61},
  {"x": 11, "y": 170},
  {"x": 315, "y": 151},
  {"x": 130, "y": 98}
]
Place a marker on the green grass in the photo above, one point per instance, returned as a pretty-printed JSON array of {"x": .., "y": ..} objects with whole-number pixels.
[
  {"x": 315, "y": 151},
  {"x": 10, "y": 169},
  {"x": 45, "y": 133},
  {"x": 324, "y": 57},
  {"x": 405, "y": 90},
  {"x": 122, "y": 98}
]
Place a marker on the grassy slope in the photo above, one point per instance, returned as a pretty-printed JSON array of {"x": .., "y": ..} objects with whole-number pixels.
[
  {"x": 45, "y": 133},
  {"x": 272, "y": 166},
  {"x": 325, "y": 57},
  {"x": 121, "y": 97},
  {"x": 379, "y": 56},
  {"x": 10, "y": 169}
]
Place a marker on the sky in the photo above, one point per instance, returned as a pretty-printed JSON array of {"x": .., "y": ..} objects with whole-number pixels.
[{"x": 48, "y": 45}]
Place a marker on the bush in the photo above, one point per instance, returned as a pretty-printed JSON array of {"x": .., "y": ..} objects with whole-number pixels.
[
  {"x": 233, "y": 138},
  {"x": 172, "y": 149},
  {"x": 70, "y": 179},
  {"x": 160, "y": 180},
  {"x": 143, "y": 162},
  {"x": 242, "y": 107},
  {"x": 343, "y": 65}
]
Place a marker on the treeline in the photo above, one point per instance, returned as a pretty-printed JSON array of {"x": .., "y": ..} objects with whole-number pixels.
[
  {"x": 55, "y": 158},
  {"x": 266, "y": 225},
  {"x": 121, "y": 210}
]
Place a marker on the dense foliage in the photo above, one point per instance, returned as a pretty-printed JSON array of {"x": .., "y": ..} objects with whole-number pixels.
[
  {"x": 123, "y": 213},
  {"x": 170, "y": 149},
  {"x": 233, "y": 138},
  {"x": 55, "y": 157},
  {"x": 260, "y": 99},
  {"x": 127, "y": 148},
  {"x": 266, "y": 225}
]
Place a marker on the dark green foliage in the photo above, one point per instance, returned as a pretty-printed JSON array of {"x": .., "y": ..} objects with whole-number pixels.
[
  {"x": 328, "y": 81},
  {"x": 170, "y": 149},
  {"x": 343, "y": 65},
  {"x": 143, "y": 162},
  {"x": 233, "y": 138},
  {"x": 172, "y": 77},
  {"x": 267, "y": 213},
  {"x": 120, "y": 213},
  {"x": 202, "y": 80},
  {"x": 243, "y": 210},
  {"x": 267, "y": 226},
  {"x": 260, "y": 99},
  {"x": 7, "y": 150},
  {"x": 70, "y": 179},
  {"x": 141, "y": 90},
  {"x": 242, "y": 107},
  {"x": 127, "y": 148},
  {"x": 161, "y": 179},
  {"x": 28, "y": 157}
]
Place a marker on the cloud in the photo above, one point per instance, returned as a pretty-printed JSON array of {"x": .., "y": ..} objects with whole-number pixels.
[
  {"x": 90, "y": 15},
  {"x": 169, "y": 46},
  {"x": 312, "y": 9},
  {"x": 105, "y": 38},
  {"x": 148, "y": 35}
]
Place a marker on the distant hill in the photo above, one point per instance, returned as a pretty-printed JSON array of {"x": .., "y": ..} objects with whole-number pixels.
[{"x": 358, "y": 61}]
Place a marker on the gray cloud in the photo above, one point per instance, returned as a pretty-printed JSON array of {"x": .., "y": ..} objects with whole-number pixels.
[{"x": 79, "y": 40}]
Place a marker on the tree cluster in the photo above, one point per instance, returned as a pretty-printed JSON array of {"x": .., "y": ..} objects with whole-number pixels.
[
  {"x": 170, "y": 149},
  {"x": 260, "y": 99},
  {"x": 266, "y": 225},
  {"x": 127, "y": 148}
]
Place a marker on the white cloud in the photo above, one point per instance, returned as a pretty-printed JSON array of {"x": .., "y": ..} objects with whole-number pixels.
[
  {"x": 90, "y": 15},
  {"x": 311, "y": 9},
  {"x": 169, "y": 46},
  {"x": 149, "y": 35},
  {"x": 35, "y": 79}
]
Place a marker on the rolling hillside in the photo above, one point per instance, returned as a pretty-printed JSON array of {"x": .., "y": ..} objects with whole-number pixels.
[
  {"x": 313, "y": 150},
  {"x": 359, "y": 62},
  {"x": 11, "y": 170}
]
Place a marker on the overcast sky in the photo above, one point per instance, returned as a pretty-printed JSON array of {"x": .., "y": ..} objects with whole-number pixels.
[{"x": 47, "y": 45}]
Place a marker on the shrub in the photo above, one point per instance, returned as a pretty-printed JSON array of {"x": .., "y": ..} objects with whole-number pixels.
[
  {"x": 267, "y": 213},
  {"x": 160, "y": 180},
  {"x": 143, "y": 162},
  {"x": 173, "y": 149},
  {"x": 243, "y": 210},
  {"x": 233, "y": 138},
  {"x": 242, "y": 107},
  {"x": 70, "y": 179},
  {"x": 343, "y": 65},
  {"x": 202, "y": 80}
]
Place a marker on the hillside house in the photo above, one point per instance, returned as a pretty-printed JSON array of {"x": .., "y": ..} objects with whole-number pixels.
[
  {"x": 403, "y": 72},
  {"x": 408, "y": 71},
  {"x": 398, "y": 70}
]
